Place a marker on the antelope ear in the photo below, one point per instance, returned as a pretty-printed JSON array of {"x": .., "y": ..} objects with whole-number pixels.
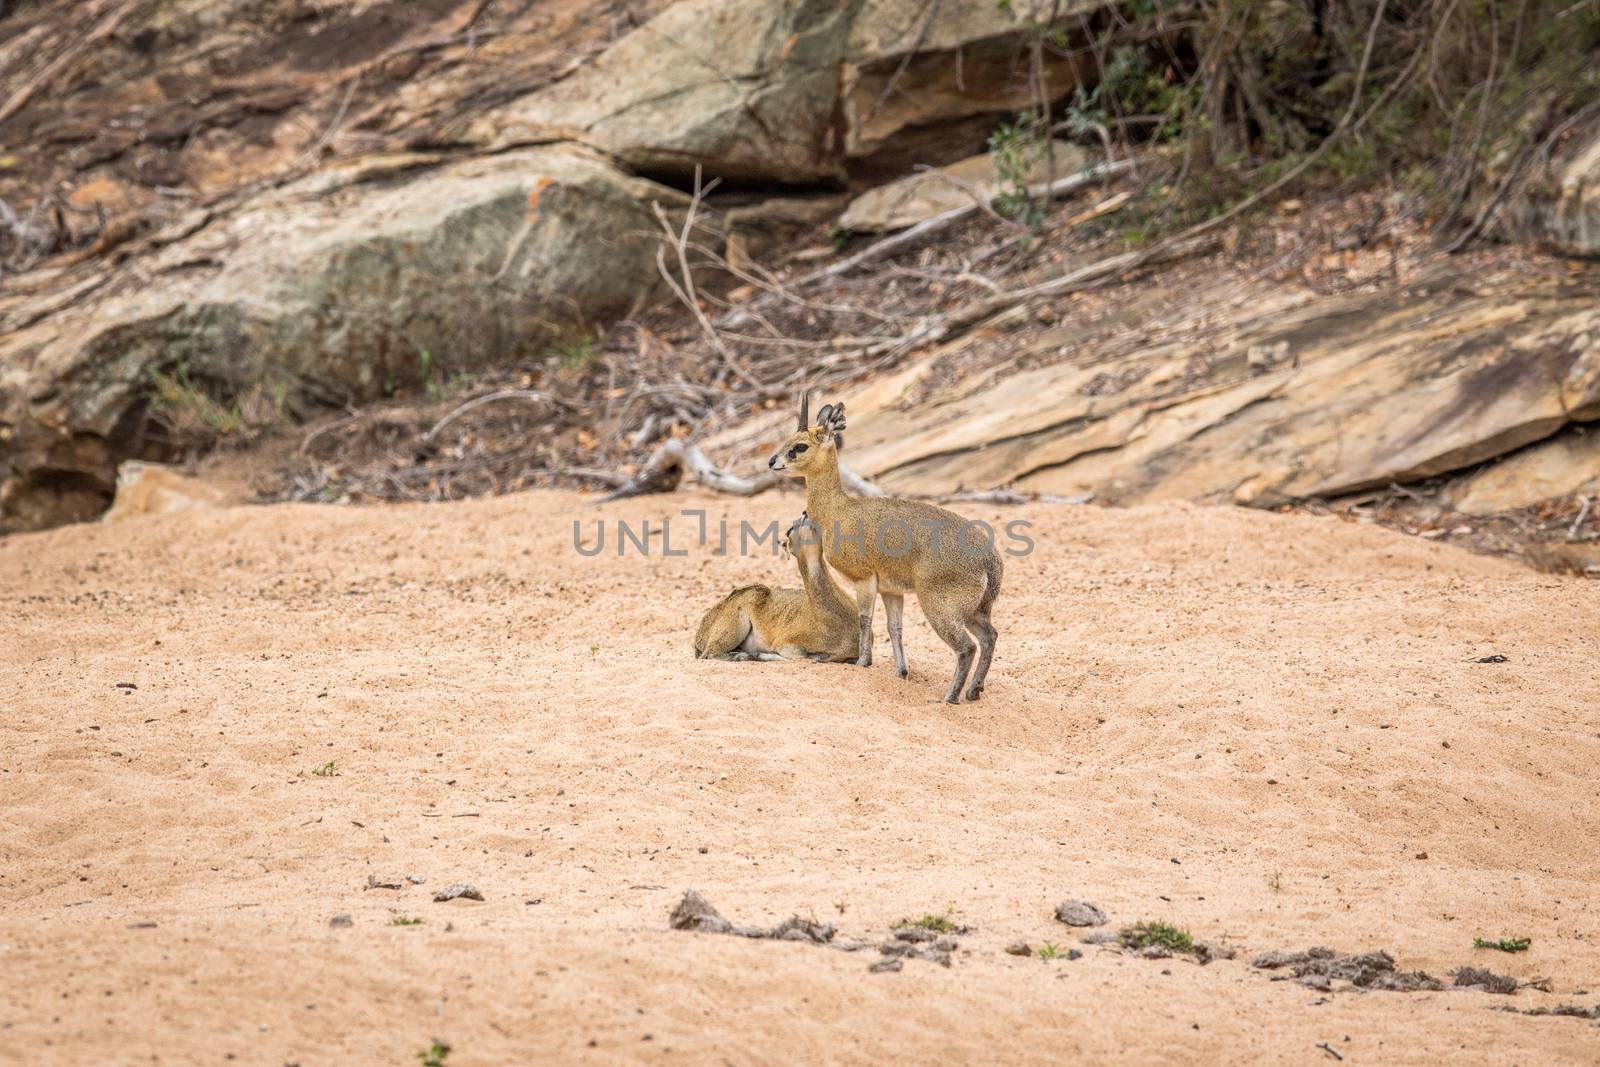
[
  {"x": 805, "y": 405},
  {"x": 825, "y": 415}
]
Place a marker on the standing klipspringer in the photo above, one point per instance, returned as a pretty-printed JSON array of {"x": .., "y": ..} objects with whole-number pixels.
[{"x": 888, "y": 547}]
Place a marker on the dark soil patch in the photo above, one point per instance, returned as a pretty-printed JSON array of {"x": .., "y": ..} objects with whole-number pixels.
[
  {"x": 1319, "y": 968},
  {"x": 1488, "y": 981},
  {"x": 694, "y": 912}
]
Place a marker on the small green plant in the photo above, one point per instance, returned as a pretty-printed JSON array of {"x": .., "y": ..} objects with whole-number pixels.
[
  {"x": 1049, "y": 952},
  {"x": 943, "y": 924},
  {"x": 187, "y": 409},
  {"x": 404, "y": 920},
  {"x": 1147, "y": 932},
  {"x": 1504, "y": 944},
  {"x": 594, "y": 650},
  {"x": 1017, "y": 147},
  {"x": 575, "y": 352},
  {"x": 437, "y": 383},
  {"x": 327, "y": 770},
  {"x": 434, "y": 1054},
  {"x": 839, "y": 236}
]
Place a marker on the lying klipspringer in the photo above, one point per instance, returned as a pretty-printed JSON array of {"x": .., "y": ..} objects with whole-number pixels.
[{"x": 759, "y": 622}]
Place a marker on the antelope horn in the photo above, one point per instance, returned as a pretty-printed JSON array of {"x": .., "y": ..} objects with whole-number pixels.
[{"x": 805, "y": 408}]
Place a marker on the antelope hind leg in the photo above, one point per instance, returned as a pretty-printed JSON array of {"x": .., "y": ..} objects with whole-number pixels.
[
  {"x": 952, "y": 633},
  {"x": 984, "y": 630}
]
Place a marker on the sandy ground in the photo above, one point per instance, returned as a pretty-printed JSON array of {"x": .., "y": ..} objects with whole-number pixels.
[{"x": 1251, "y": 725}]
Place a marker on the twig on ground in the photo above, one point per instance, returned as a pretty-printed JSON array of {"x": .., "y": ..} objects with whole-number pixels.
[
  {"x": 923, "y": 230},
  {"x": 1577, "y": 523},
  {"x": 531, "y": 395}
]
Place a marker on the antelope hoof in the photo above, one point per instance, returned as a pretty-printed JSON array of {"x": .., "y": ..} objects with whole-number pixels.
[
  {"x": 863, "y": 661},
  {"x": 904, "y": 672},
  {"x": 974, "y": 693}
]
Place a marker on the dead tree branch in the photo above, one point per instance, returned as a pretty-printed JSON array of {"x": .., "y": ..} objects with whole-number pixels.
[
  {"x": 923, "y": 230},
  {"x": 665, "y": 469}
]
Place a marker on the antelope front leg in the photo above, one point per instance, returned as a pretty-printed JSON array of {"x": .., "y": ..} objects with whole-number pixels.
[
  {"x": 866, "y": 600},
  {"x": 893, "y": 604}
]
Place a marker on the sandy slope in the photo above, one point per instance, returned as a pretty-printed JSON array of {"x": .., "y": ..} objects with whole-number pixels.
[{"x": 1186, "y": 704}]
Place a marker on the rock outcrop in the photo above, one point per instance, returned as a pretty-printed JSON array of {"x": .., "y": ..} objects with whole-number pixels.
[
  {"x": 1569, "y": 213},
  {"x": 1293, "y": 396},
  {"x": 332, "y": 288}
]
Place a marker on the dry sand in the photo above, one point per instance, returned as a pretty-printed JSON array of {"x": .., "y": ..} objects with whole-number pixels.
[{"x": 1247, "y": 724}]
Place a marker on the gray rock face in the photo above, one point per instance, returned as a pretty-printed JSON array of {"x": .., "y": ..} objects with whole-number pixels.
[
  {"x": 333, "y": 287},
  {"x": 790, "y": 92},
  {"x": 744, "y": 89},
  {"x": 1562, "y": 206}
]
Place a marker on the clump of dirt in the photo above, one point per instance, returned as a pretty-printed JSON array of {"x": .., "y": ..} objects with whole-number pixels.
[
  {"x": 1486, "y": 980},
  {"x": 917, "y": 943},
  {"x": 694, "y": 912},
  {"x": 1575, "y": 1011},
  {"x": 1320, "y": 967}
]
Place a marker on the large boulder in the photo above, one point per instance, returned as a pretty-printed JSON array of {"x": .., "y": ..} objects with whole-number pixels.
[
  {"x": 744, "y": 88},
  {"x": 795, "y": 92},
  {"x": 337, "y": 287}
]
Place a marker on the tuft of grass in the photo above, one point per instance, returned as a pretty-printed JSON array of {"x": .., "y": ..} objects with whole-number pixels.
[
  {"x": 1275, "y": 881},
  {"x": 434, "y": 1054},
  {"x": 403, "y": 920},
  {"x": 1049, "y": 951},
  {"x": 327, "y": 770},
  {"x": 1148, "y": 932},
  {"x": 575, "y": 353},
  {"x": 943, "y": 924},
  {"x": 1504, "y": 944},
  {"x": 187, "y": 409},
  {"x": 839, "y": 237}
]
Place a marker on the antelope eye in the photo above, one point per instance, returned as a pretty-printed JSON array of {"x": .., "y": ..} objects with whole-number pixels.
[{"x": 798, "y": 449}]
